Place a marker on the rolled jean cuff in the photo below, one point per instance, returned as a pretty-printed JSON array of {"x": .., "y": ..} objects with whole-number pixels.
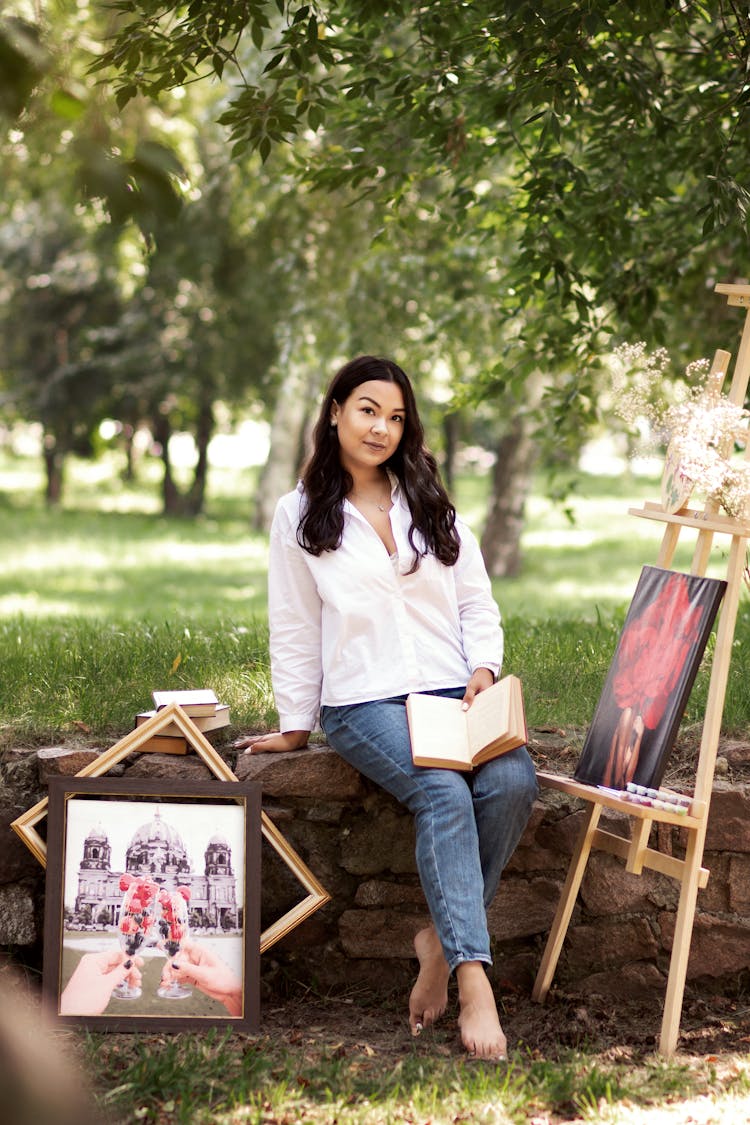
[{"x": 464, "y": 958}]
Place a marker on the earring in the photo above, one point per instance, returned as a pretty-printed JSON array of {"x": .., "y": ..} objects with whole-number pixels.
[{"x": 334, "y": 423}]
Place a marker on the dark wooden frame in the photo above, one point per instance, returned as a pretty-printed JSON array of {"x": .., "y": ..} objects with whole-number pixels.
[{"x": 246, "y": 794}]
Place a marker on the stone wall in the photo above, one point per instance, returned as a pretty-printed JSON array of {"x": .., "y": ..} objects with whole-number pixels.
[{"x": 359, "y": 844}]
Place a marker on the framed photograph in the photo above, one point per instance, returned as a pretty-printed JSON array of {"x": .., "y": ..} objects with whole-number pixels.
[
  {"x": 650, "y": 679},
  {"x": 152, "y": 911}
]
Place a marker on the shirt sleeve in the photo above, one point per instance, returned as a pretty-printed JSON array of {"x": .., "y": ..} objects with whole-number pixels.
[
  {"x": 481, "y": 627},
  {"x": 294, "y": 615}
]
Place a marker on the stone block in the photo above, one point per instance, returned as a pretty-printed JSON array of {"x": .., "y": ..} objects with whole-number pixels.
[
  {"x": 536, "y": 818},
  {"x": 379, "y": 843},
  {"x": 714, "y": 897},
  {"x": 317, "y": 772},
  {"x": 180, "y": 767},
  {"x": 523, "y": 907},
  {"x": 528, "y": 859},
  {"x": 719, "y": 947},
  {"x": 607, "y": 888},
  {"x": 609, "y": 943},
  {"x": 736, "y": 753},
  {"x": 560, "y": 835},
  {"x": 739, "y": 885},
  {"x": 56, "y": 761},
  {"x": 20, "y": 774},
  {"x": 511, "y": 972},
  {"x": 17, "y": 916},
  {"x": 729, "y": 820},
  {"x": 379, "y": 892},
  {"x": 16, "y": 861},
  {"x": 639, "y": 978},
  {"x": 379, "y": 933}
]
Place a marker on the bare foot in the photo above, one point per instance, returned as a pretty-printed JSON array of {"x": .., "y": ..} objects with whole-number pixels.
[
  {"x": 481, "y": 1033},
  {"x": 429, "y": 996}
]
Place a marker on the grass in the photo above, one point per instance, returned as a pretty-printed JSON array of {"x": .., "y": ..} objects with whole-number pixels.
[
  {"x": 216, "y": 1079},
  {"x": 105, "y": 600}
]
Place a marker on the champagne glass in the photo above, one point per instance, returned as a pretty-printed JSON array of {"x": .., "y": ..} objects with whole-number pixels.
[
  {"x": 173, "y": 929},
  {"x": 136, "y": 926}
]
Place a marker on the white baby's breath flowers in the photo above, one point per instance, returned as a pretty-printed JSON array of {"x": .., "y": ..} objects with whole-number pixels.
[{"x": 700, "y": 425}]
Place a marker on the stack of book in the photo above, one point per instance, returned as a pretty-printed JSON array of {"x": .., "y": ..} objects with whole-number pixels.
[{"x": 201, "y": 705}]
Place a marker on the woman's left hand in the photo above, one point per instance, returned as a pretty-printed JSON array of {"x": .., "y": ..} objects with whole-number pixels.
[
  {"x": 480, "y": 681},
  {"x": 280, "y": 743}
]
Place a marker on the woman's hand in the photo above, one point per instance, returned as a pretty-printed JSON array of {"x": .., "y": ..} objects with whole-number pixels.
[
  {"x": 89, "y": 989},
  {"x": 196, "y": 964},
  {"x": 279, "y": 743},
  {"x": 481, "y": 679}
]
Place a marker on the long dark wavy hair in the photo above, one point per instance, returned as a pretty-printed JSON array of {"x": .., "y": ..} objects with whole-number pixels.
[{"x": 326, "y": 481}]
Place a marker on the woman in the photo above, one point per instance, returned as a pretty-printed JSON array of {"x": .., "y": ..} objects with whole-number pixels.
[{"x": 377, "y": 590}]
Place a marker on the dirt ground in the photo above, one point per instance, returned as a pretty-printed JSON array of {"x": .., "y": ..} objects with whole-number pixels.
[{"x": 712, "y": 1024}]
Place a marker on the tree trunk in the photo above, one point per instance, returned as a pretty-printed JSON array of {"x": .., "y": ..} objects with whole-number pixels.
[
  {"x": 511, "y": 483},
  {"x": 170, "y": 493},
  {"x": 450, "y": 440},
  {"x": 297, "y": 394},
  {"x": 54, "y": 460},
  {"x": 128, "y": 474},
  {"x": 196, "y": 497}
]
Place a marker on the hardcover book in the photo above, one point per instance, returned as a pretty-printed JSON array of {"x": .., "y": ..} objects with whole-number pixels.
[
  {"x": 164, "y": 744},
  {"x": 650, "y": 679},
  {"x": 200, "y": 701},
  {"x": 444, "y": 735},
  {"x": 220, "y": 718}
]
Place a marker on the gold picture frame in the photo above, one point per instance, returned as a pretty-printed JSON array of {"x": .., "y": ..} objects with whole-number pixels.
[{"x": 317, "y": 896}]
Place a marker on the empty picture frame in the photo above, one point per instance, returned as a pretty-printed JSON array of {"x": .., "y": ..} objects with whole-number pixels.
[
  {"x": 25, "y": 825},
  {"x": 152, "y": 911}
]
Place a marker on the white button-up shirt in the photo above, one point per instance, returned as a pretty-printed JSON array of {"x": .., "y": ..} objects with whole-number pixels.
[{"x": 351, "y": 625}]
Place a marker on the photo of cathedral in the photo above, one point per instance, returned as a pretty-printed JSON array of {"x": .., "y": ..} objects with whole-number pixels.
[{"x": 157, "y": 850}]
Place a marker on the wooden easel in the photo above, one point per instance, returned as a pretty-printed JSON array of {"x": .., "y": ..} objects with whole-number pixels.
[{"x": 635, "y": 852}]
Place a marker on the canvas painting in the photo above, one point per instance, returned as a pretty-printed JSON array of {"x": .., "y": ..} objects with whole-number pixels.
[{"x": 650, "y": 678}]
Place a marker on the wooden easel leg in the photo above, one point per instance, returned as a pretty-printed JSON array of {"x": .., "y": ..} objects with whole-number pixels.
[
  {"x": 670, "y": 1024},
  {"x": 568, "y": 897}
]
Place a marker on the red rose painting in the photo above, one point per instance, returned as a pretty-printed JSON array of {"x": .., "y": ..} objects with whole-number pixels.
[{"x": 649, "y": 682}]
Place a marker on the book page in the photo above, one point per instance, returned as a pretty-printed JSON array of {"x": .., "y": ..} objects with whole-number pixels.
[
  {"x": 437, "y": 727},
  {"x": 488, "y": 717}
]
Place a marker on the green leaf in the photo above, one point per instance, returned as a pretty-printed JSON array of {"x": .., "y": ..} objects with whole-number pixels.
[
  {"x": 275, "y": 61},
  {"x": 316, "y": 116},
  {"x": 67, "y": 105},
  {"x": 124, "y": 95}
]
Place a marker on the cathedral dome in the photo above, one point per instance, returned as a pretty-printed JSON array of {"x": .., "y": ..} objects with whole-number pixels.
[
  {"x": 97, "y": 835},
  {"x": 157, "y": 830},
  {"x": 218, "y": 841},
  {"x": 156, "y": 846}
]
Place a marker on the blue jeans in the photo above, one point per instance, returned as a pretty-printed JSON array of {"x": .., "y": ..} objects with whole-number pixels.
[{"x": 467, "y": 824}]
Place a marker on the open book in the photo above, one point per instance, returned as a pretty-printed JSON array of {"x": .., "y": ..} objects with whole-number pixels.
[{"x": 444, "y": 735}]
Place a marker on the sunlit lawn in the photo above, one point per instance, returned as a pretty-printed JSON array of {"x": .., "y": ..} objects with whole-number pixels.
[
  {"x": 109, "y": 553},
  {"x": 104, "y": 599}
]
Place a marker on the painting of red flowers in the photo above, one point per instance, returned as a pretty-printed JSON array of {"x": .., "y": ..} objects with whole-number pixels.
[{"x": 649, "y": 681}]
